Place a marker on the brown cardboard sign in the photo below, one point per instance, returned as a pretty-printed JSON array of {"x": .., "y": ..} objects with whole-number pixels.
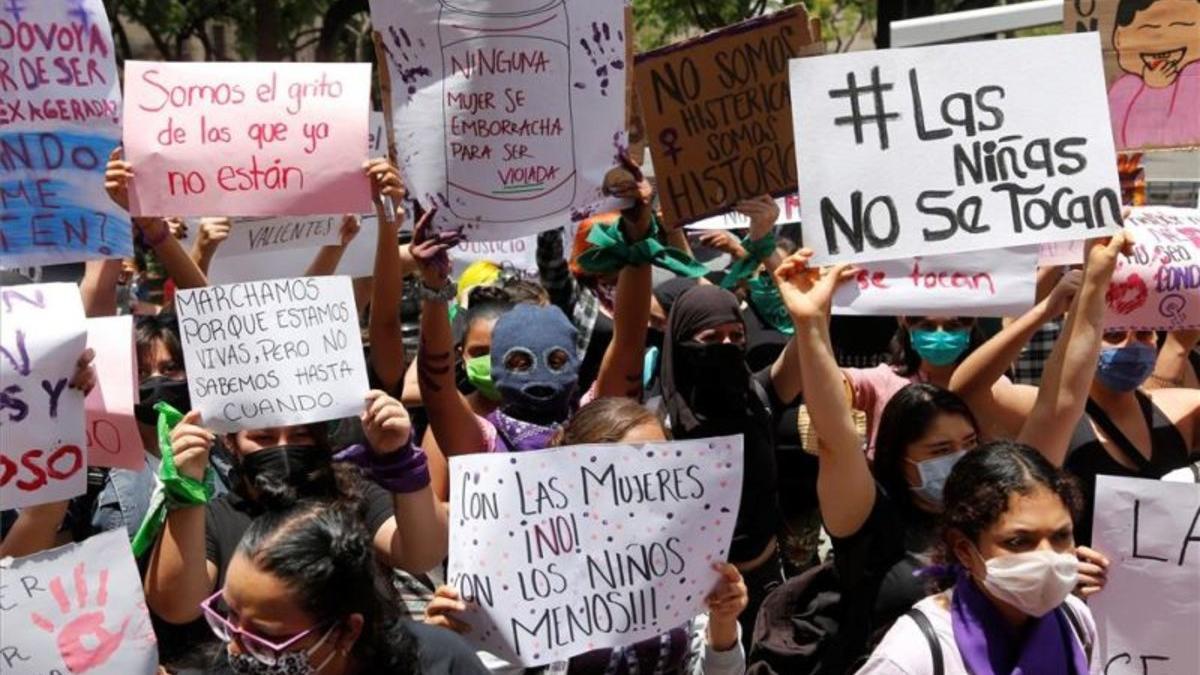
[
  {"x": 718, "y": 117},
  {"x": 1152, "y": 66}
]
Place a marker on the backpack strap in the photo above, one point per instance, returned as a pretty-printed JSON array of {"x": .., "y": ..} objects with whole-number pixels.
[
  {"x": 935, "y": 647},
  {"x": 1077, "y": 628}
]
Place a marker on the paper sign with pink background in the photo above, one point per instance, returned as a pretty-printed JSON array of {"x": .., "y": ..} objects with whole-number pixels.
[
  {"x": 112, "y": 431},
  {"x": 1158, "y": 286}
]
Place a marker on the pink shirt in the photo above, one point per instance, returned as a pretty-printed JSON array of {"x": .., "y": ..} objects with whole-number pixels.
[
  {"x": 873, "y": 388},
  {"x": 1146, "y": 116}
]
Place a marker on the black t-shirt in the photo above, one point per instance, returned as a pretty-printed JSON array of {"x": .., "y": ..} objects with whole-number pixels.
[
  {"x": 443, "y": 652},
  {"x": 227, "y": 518},
  {"x": 876, "y": 566},
  {"x": 758, "y": 514}
]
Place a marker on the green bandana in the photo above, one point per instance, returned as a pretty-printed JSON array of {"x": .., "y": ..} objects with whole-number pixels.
[
  {"x": 479, "y": 373},
  {"x": 172, "y": 490},
  {"x": 756, "y": 252},
  {"x": 610, "y": 252},
  {"x": 765, "y": 298}
]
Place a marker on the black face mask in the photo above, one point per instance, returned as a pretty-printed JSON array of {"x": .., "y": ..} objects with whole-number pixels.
[
  {"x": 713, "y": 378},
  {"x": 284, "y": 474},
  {"x": 161, "y": 388}
]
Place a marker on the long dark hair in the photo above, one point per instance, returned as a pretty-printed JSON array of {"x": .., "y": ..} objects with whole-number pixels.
[
  {"x": 906, "y": 361},
  {"x": 981, "y": 483},
  {"x": 905, "y": 419},
  {"x": 323, "y": 553},
  {"x": 150, "y": 329},
  {"x": 322, "y": 479}
]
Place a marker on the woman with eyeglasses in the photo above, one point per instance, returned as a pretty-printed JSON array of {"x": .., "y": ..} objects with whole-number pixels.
[
  {"x": 305, "y": 594},
  {"x": 1091, "y": 414}
]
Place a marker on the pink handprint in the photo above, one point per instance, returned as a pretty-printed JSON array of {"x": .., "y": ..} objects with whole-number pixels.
[{"x": 84, "y": 643}]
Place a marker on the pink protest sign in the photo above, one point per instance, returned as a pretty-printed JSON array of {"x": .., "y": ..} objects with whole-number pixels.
[
  {"x": 247, "y": 139},
  {"x": 1158, "y": 286},
  {"x": 112, "y": 432}
]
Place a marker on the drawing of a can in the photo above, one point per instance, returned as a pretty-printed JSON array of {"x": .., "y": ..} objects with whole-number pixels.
[{"x": 506, "y": 99}]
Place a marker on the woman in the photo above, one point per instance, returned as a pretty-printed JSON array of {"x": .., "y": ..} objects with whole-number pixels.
[
  {"x": 1008, "y": 530},
  {"x": 708, "y": 645},
  {"x": 304, "y": 594},
  {"x": 275, "y": 467},
  {"x": 1090, "y": 414}
]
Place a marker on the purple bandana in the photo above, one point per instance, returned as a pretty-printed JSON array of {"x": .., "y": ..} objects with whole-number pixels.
[{"x": 513, "y": 435}]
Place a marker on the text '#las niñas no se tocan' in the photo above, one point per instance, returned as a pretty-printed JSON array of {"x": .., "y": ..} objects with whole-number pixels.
[{"x": 1014, "y": 166}]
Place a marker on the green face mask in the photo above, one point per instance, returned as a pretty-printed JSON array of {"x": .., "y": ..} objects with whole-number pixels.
[{"x": 479, "y": 373}]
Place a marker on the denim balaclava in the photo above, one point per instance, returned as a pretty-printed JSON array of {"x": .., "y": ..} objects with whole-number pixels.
[{"x": 539, "y": 393}]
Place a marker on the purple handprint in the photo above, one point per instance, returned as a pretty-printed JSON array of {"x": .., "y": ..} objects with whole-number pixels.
[{"x": 603, "y": 53}]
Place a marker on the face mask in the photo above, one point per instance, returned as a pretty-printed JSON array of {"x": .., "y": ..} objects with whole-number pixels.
[
  {"x": 288, "y": 663},
  {"x": 538, "y": 393},
  {"x": 1034, "y": 582},
  {"x": 283, "y": 468},
  {"x": 1126, "y": 368},
  {"x": 160, "y": 388},
  {"x": 479, "y": 374},
  {"x": 715, "y": 376},
  {"x": 933, "y": 474},
  {"x": 940, "y": 347}
]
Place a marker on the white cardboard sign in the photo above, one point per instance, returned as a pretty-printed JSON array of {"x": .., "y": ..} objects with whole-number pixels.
[
  {"x": 1148, "y": 615},
  {"x": 789, "y": 212},
  {"x": 1158, "y": 286},
  {"x": 273, "y": 353},
  {"x": 1001, "y": 282},
  {"x": 43, "y": 443},
  {"x": 76, "y": 609},
  {"x": 621, "y": 537},
  {"x": 507, "y": 115},
  {"x": 953, "y": 148}
]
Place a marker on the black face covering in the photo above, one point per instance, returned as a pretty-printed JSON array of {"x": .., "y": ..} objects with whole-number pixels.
[
  {"x": 713, "y": 378},
  {"x": 285, "y": 473},
  {"x": 161, "y": 388}
]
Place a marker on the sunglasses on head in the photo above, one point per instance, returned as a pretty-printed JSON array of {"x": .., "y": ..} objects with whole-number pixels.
[{"x": 265, "y": 651}]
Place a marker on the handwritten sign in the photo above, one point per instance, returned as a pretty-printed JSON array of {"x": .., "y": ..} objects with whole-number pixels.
[
  {"x": 42, "y": 441},
  {"x": 1147, "y": 617},
  {"x": 717, "y": 114},
  {"x": 506, "y": 120},
  {"x": 953, "y": 148},
  {"x": 789, "y": 212},
  {"x": 1001, "y": 282},
  {"x": 1158, "y": 286},
  {"x": 273, "y": 353},
  {"x": 276, "y": 262},
  {"x": 112, "y": 431},
  {"x": 1152, "y": 65},
  {"x": 519, "y": 254},
  {"x": 76, "y": 609},
  {"x": 247, "y": 139},
  {"x": 255, "y": 235},
  {"x": 1061, "y": 253},
  {"x": 60, "y": 116},
  {"x": 558, "y": 552}
]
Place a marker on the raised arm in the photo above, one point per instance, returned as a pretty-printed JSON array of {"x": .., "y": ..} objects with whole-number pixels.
[
  {"x": 999, "y": 405},
  {"x": 1072, "y": 364},
  {"x": 1173, "y": 369},
  {"x": 383, "y": 326},
  {"x": 621, "y": 369},
  {"x": 450, "y": 416},
  {"x": 213, "y": 231},
  {"x": 326, "y": 261},
  {"x": 98, "y": 288},
  {"x": 845, "y": 488}
]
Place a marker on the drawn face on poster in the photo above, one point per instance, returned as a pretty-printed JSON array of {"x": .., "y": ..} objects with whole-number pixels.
[{"x": 1152, "y": 64}]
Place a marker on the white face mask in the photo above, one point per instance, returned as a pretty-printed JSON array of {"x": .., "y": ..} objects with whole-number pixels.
[
  {"x": 934, "y": 473},
  {"x": 1035, "y": 582}
]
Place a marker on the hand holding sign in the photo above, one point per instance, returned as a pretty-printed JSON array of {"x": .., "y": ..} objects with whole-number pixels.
[{"x": 808, "y": 293}]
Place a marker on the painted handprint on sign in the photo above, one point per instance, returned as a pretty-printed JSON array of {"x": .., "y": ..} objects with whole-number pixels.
[
  {"x": 402, "y": 50},
  {"x": 604, "y": 52},
  {"x": 82, "y": 632}
]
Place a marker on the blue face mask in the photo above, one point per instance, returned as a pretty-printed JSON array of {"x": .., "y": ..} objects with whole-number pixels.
[
  {"x": 934, "y": 473},
  {"x": 534, "y": 363},
  {"x": 1126, "y": 368},
  {"x": 940, "y": 347}
]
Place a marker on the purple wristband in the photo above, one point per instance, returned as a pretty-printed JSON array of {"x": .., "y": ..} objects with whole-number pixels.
[{"x": 402, "y": 472}]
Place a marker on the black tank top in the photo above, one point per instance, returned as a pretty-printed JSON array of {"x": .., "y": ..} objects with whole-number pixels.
[{"x": 1087, "y": 457}]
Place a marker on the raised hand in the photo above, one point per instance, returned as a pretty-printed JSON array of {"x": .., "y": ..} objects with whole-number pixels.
[
  {"x": 722, "y": 240},
  {"x": 213, "y": 231},
  {"x": 430, "y": 250},
  {"x": 84, "y": 378},
  {"x": 350, "y": 229},
  {"x": 117, "y": 174},
  {"x": 190, "y": 444},
  {"x": 763, "y": 213},
  {"x": 386, "y": 182},
  {"x": 1059, "y": 300},
  {"x": 628, "y": 182},
  {"x": 808, "y": 293},
  {"x": 385, "y": 422}
]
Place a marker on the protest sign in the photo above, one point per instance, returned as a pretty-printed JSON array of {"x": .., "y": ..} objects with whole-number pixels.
[
  {"x": 1152, "y": 66},
  {"x": 789, "y": 212},
  {"x": 75, "y": 609},
  {"x": 717, "y": 114},
  {"x": 953, "y": 148},
  {"x": 378, "y": 140},
  {"x": 506, "y": 119},
  {"x": 1147, "y": 617},
  {"x": 112, "y": 431},
  {"x": 60, "y": 117},
  {"x": 1158, "y": 286},
  {"x": 247, "y": 139},
  {"x": 558, "y": 552},
  {"x": 1061, "y": 253},
  {"x": 1001, "y": 282},
  {"x": 358, "y": 260},
  {"x": 42, "y": 440},
  {"x": 518, "y": 254},
  {"x": 273, "y": 353},
  {"x": 266, "y": 235}
]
